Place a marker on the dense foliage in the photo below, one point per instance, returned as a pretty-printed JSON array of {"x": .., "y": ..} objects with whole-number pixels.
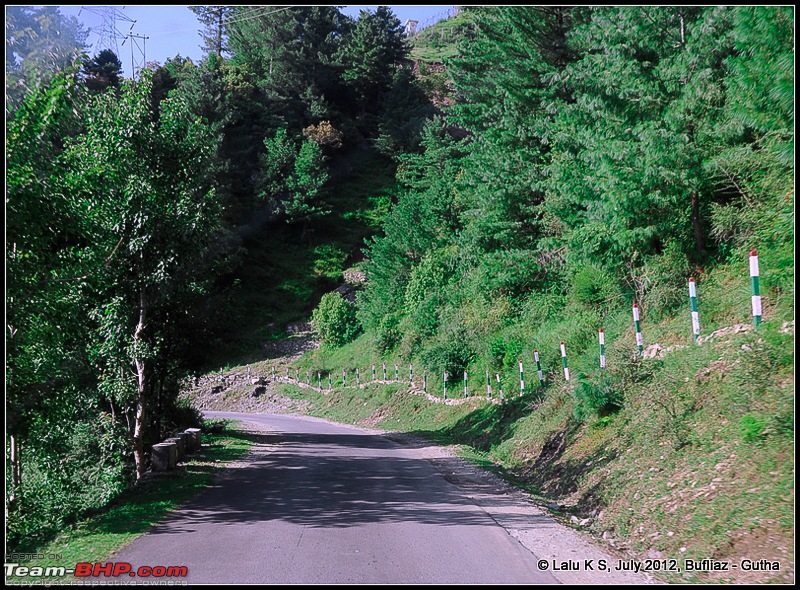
[
  {"x": 577, "y": 159},
  {"x": 128, "y": 204},
  {"x": 593, "y": 156}
]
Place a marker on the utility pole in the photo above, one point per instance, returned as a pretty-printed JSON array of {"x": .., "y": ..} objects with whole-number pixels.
[{"x": 142, "y": 50}]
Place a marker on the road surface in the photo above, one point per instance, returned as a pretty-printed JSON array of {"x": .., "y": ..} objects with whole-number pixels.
[{"x": 321, "y": 503}]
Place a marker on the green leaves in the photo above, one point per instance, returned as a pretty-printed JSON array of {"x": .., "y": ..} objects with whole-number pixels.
[{"x": 335, "y": 321}]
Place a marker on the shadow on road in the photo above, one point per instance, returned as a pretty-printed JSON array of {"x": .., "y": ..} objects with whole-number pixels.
[{"x": 340, "y": 480}]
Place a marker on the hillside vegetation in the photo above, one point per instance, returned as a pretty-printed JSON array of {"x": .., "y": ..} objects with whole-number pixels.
[
  {"x": 577, "y": 174},
  {"x": 538, "y": 174}
]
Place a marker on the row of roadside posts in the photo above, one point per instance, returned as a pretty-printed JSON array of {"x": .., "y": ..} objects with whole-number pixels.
[{"x": 446, "y": 377}]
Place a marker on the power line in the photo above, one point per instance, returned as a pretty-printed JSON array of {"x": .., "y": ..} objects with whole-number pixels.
[{"x": 108, "y": 34}]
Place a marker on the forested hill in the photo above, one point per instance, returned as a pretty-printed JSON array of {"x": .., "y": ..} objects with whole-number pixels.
[{"x": 558, "y": 167}]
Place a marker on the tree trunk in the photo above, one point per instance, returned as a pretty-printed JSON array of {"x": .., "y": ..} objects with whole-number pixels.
[
  {"x": 699, "y": 245},
  {"x": 16, "y": 474},
  {"x": 143, "y": 379}
]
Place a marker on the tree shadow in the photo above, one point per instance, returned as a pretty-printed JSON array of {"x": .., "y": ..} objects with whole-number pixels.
[{"x": 335, "y": 481}]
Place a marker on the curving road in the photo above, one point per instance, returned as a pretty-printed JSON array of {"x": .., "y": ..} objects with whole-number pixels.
[{"x": 320, "y": 503}]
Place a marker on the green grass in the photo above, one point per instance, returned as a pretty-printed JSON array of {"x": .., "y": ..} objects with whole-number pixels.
[
  {"x": 438, "y": 42},
  {"x": 132, "y": 514}
]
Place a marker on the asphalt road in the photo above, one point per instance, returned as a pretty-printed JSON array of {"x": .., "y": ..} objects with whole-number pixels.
[{"x": 320, "y": 503}]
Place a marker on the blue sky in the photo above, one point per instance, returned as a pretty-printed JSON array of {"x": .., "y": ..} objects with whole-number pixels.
[{"x": 159, "y": 32}]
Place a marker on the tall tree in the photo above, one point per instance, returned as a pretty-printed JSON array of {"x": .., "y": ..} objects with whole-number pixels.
[
  {"x": 45, "y": 333},
  {"x": 150, "y": 213},
  {"x": 628, "y": 178},
  {"x": 104, "y": 70},
  {"x": 214, "y": 19},
  {"x": 373, "y": 51},
  {"x": 291, "y": 53}
]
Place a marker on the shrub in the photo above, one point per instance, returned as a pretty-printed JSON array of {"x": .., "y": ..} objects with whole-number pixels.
[
  {"x": 600, "y": 394},
  {"x": 452, "y": 353},
  {"x": 594, "y": 287},
  {"x": 388, "y": 333},
  {"x": 335, "y": 321}
]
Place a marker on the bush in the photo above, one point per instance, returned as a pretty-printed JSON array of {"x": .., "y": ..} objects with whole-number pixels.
[
  {"x": 452, "y": 353},
  {"x": 595, "y": 287},
  {"x": 600, "y": 394},
  {"x": 335, "y": 321},
  {"x": 504, "y": 352},
  {"x": 388, "y": 334}
]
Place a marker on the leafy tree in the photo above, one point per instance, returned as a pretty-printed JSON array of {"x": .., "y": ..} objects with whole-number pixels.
[
  {"x": 45, "y": 338},
  {"x": 40, "y": 42},
  {"x": 149, "y": 216}
]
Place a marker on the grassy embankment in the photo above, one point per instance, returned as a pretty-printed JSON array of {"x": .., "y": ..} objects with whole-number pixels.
[{"x": 697, "y": 463}]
